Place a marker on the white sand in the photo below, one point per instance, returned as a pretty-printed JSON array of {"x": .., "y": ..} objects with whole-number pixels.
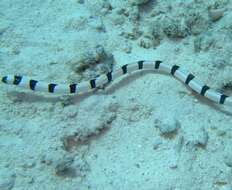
[{"x": 114, "y": 139}]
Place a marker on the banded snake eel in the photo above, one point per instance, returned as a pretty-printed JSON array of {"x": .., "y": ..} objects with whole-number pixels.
[{"x": 83, "y": 87}]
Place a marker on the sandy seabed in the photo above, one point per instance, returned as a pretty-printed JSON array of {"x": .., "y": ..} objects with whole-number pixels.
[{"x": 144, "y": 132}]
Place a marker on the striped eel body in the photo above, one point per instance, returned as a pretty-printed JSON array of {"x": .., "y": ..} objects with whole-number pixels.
[{"x": 83, "y": 87}]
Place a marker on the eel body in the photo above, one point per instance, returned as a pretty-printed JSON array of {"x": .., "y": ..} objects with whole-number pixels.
[{"x": 174, "y": 70}]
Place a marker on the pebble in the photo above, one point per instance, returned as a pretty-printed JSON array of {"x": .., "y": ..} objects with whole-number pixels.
[
  {"x": 197, "y": 138},
  {"x": 157, "y": 142},
  {"x": 167, "y": 127},
  {"x": 202, "y": 137},
  {"x": 64, "y": 168},
  {"x": 173, "y": 163},
  {"x": 97, "y": 24},
  {"x": 29, "y": 164},
  {"x": 216, "y": 14},
  {"x": 178, "y": 146}
]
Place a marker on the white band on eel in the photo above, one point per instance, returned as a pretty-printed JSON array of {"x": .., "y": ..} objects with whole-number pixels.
[{"x": 83, "y": 87}]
